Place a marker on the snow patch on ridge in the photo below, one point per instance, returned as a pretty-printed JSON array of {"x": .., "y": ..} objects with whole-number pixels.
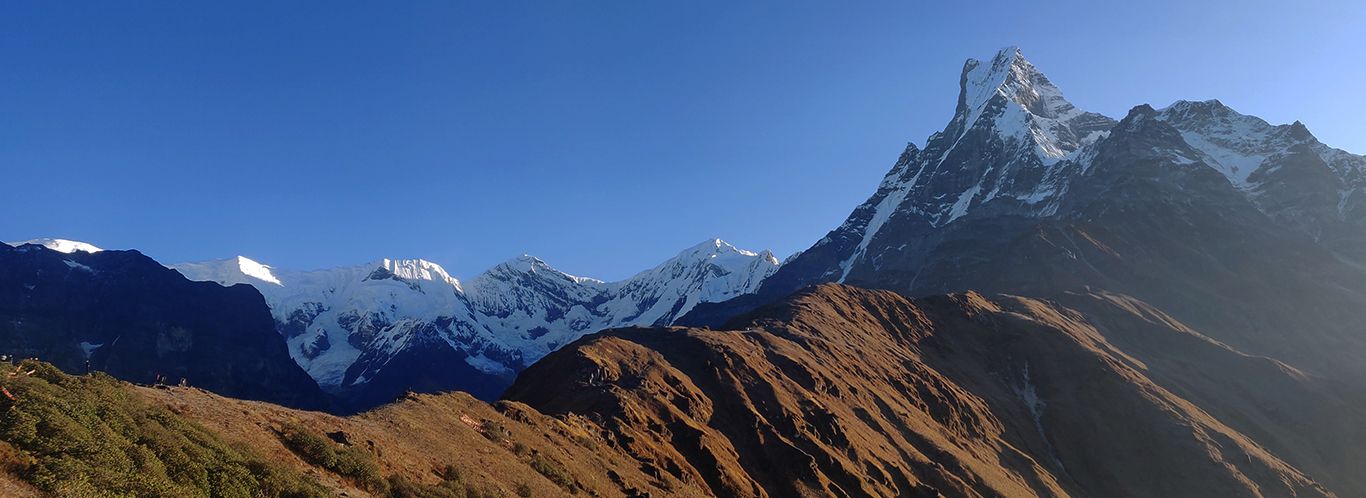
[
  {"x": 60, "y": 245},
  {"x": 1233, "y": 144},
  {"x": 256, "y": 270}
]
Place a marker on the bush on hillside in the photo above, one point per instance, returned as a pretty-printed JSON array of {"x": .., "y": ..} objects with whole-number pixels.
[
  {"x": 553, "y": 471},
  {"x": 353, "y": 463},
  {"x": 347, "y": 461}
]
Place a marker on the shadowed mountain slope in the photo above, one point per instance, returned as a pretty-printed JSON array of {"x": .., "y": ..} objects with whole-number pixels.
[
  {"x": 122, "y": 313},
  {"x": 840, "y": 391}
]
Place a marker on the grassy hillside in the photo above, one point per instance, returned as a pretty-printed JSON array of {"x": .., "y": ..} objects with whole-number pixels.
[{"x": 96, "y": 436}]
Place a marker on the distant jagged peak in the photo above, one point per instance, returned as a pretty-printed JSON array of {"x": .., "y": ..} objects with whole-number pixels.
[
  {"x": 1214, "y": 117},
  {"x": 1237, "y": 144},
  {"x": 60, "y": 245},
  {"x": 713, "y": 251},
  {"x": 527, "y": 264},
  {"x": 715, "y": 246},
  {"x": 1210, "y": 107}
]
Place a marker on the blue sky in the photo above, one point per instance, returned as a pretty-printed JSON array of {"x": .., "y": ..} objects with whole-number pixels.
[{"x": 601, "y": 136}]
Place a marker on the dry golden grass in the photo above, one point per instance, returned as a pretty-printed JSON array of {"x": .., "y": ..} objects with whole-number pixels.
[{"x": 492, "y": 447}]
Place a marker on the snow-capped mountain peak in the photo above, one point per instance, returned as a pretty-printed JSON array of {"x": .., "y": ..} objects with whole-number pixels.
[
  {"x": 1011, "y": 95},
  {"x": 60, "y": 245},
  {"x": 714, "y": 247},
  {"x": 1017, "y": 150},
  {"x": 1009, "y": 147},
  {"x": 528, "y": 264}
]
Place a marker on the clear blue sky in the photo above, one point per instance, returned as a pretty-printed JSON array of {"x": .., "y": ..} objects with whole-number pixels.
[{"x": 601, "y": 136}]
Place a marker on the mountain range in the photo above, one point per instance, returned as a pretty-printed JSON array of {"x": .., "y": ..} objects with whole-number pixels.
[
  {"x": 371, "y": 332},
  {"x": 1040, "y": 301}
]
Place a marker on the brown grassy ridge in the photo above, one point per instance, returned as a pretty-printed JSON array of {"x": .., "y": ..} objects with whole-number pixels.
[{"x": 505, "y": 449}]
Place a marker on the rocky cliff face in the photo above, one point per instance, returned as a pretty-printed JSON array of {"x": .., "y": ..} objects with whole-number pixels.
[
  {"x": 839, "y": 391},
  {"x": 125, "y": 314}
]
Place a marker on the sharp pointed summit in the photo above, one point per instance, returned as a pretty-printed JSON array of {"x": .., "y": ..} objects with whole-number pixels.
[
  {"x": 1011, "y": 95},
  {"x": 1007, "y": 149}
]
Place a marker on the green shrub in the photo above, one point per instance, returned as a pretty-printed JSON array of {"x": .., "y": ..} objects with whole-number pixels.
[
  {"x": 472, "y": 491},
  {"x": 553, "y": 471},
  {"x": 309, "y": 445},
  {"x": 495, "y": 431},
  {"x": 355, "y": 464},
  {"x": 586, "y": 441},
  {"x": 402, "y": 487},
  {"x": 350, "y": 462},
  {"x": 450, "y": 474}
]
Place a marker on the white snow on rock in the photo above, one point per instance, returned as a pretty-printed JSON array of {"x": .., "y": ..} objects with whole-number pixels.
[
  {"x": 342, "y": 308},
  {"x": 1238, "y": 145},
  {"x": 1232, "y": 143},
  {"x": 1248, "y": 152},
  {"x": 77, "y": 266}
]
